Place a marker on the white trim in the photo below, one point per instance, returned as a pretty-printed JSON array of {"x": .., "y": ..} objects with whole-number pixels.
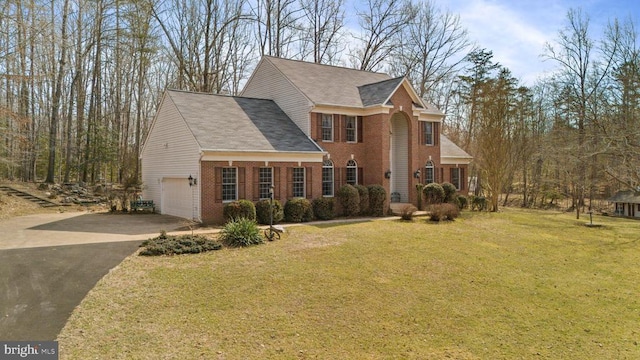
[
  {"x": 275, "y": 156},
  {"x": 351, "y": 110}
]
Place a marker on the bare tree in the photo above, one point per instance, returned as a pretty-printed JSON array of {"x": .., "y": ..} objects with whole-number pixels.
[
  {"x": 322, "y": 29},
  {"x": 381, "y": 23}
]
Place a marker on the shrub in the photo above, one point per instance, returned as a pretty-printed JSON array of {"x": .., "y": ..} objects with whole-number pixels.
[
  {"x": 239, "y": 209},
  {"x": 349, "y": 200},
  {"x": 407, "y": 212},
  {"x": 433, "y": 193},
  {"x": 177, "y": 245},
  {"x": 463, "y": 201},
  {"x": 478, "y": 203},
  {"x": 445, "y": 211},
  {"x": 363, "y": 192},
  {"x": 323, "y": 208},
  {"x": 377, "y": 197},
  {"x": 262, "y": 212},
  {"x": 449, "y": 192},
  {"x": 240, "y": 232},
  {"x": 298, "y": 210}
]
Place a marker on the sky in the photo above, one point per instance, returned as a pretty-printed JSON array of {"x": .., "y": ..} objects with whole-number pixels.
[{"x": 517, "y": 30}]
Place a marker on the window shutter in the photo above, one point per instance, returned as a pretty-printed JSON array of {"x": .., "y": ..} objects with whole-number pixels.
[
  {"x": 360, "y": 176},
  {"x": 343, "y": 128},
  {"x": 256, "y": 184},
  {"x": 308, "y": 186},
  {"x": 360, "y": 125},
  {"x": 436, "y": 133},
  {"x": 217, "y": 179},
  {"x": 318, "y": 127},
  {"x": 241, "y": 183},
  {"x": 289, "y": 182},
  {"x": 421, "y": 132},
  {"x": 462, "y": 179},
  {"x": 276, "y": 182},
  {"x": 337, "y": 178}
]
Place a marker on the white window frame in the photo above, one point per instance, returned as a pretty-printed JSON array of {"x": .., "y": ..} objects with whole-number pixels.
[
  {"x": 264, "y": 185},
  {"x": 224, "y": 184},
  {"x": 354, "y": 130},
  {"x": 328, "y": 165},
  {"x": 323, "y": 128},
  {"x": 429, "y": 137},
  {"x": 300, "y": 183},
  {"x": 429, "y": 169},
  {"x": 352, "y": 165}
]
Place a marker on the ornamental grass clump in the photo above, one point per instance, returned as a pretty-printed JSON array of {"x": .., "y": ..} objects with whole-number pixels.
[{"x": 240, "y": 232}]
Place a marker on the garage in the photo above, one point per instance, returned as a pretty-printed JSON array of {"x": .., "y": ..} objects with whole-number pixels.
[{"x": 177, "y": 198}]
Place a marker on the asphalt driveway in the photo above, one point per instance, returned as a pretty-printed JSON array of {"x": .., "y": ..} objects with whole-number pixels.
[{"x": 48, "y": 263}]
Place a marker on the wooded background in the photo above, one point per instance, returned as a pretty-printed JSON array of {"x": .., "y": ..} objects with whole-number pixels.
[{"x": 81, "y": 80}]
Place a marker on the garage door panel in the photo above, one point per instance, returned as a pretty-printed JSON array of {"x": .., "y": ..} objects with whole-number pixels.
[{"x": 177, "y": 198}]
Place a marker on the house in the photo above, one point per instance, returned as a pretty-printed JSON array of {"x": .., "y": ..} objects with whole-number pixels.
[
  {"x": 305, "y": 129},
  {"x": 627, "y": 203}
]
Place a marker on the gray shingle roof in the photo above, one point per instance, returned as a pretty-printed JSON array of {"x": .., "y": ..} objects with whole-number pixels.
[
  {"x": 378, "y": 93},
  {"x": 448, "y": 149},
  {"x": 239, "y": 124},
  {"x": 628, "y": 196},
  {"x": 325, "y": 84}
]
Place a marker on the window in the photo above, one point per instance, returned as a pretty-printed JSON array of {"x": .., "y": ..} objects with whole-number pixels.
[
  {"x": 352, "y": 132},
  {"x": 298, "y": 182},
  {"x": 428, "y": 133},
  {"x": 456, "y": 178},
  {"x": 327, "y": 127},
  {"x": 429, "y": 173},
  {"x": 327, "y": 178},
  {"x": 229, "y": 184},
  {"x": 265, "y": 180},
  {"x": 352, "y": 172}
]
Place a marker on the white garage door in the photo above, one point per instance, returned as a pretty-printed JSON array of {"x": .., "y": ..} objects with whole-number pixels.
[{"x": 177, "y": 198}]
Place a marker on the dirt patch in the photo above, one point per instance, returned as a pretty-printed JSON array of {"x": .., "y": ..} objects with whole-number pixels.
[{"x": 12, "y": 206}]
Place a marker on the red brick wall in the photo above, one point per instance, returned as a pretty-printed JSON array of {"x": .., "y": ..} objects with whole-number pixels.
[{"x": 247, "y": 178}]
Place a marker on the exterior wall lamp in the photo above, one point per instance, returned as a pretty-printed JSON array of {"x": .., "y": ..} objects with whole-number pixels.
[
  {"x": 387, "y": 174},
  {"x": 416, "y": 174},
  {"x": 192, "y": 181}
]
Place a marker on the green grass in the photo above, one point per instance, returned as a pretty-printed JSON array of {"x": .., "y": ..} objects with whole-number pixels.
[{"x": 511, "y": 285}]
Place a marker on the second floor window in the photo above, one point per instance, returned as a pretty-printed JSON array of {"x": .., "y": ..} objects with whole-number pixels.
[
  {"x": 352, "y": 131},
  {"x": 428, "y": 133},
  {"x": 298, "y": 182},
  {"x": 265, "y": 179},
  {"x": 352, "y": 172},
  {"x": 327, "y": 127}
]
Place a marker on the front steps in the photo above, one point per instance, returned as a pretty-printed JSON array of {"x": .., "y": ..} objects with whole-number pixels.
[{"x": 37, "y": 200}]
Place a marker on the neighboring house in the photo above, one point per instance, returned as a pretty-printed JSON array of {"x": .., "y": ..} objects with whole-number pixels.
[
  {"x": 307, "y": 129},
  {"x": 627, "y": 203}
]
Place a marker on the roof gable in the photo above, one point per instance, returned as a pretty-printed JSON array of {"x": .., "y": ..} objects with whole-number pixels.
[
  {"x": 450, "y": 153},
  {"x": 326, "y": 84},
  {"x": 226, "y": 123}
]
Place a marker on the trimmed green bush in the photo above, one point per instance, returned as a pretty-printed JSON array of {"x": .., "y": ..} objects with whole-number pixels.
[
  {"x": 240, "y": 232},
  {"x": 239, "y": 209},
  {"x": 363, "y": 192},
  {"x": 444, "y": 211},
  {"x": 349, "y": 200},
  {"x": 298, "y": 210},
  {"x": 323, "y": 208},
  {"x": 433, "y": 193},
  {"x": 463, "y": 201},
  {"x": 449, "y": 192},
  {"x": 377, "y": 197},
  {"x": 262, "y": 212},
  {"x": 177, "y": 245}
]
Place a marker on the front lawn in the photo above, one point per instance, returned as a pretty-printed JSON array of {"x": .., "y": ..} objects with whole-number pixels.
[{"x": 511, "y": 285}]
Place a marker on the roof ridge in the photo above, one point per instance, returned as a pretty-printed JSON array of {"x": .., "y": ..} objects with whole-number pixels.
[
  {"x": 219, "y": 95},
  {"x": 325, "y": 65}
]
